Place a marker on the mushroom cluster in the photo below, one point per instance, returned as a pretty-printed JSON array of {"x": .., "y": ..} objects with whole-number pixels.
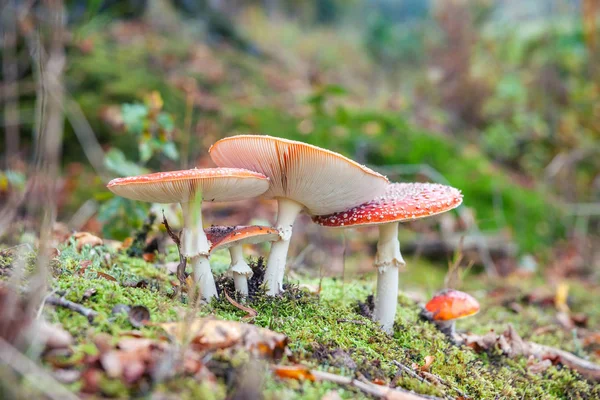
[{"x": 334, "y": 190}]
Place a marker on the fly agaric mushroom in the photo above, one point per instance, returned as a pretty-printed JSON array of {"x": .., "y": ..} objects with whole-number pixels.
[
  {"x": 189, "y": 188},
  {"x": 401, "y": 202},
  {"x": 301, "y": 176},
  {"x": 447, "y": 306},
  {"x": 233, "y": 237}
]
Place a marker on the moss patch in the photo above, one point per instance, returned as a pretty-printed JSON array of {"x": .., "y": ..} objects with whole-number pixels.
[{"x": 325, "y": 332}]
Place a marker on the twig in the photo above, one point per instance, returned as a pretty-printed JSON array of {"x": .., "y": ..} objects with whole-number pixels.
[
  {"x": 352, "y": 321},
  {"x": 62, "y": 302},
  {"x": 182, "y": 260},
  {"x": 369, "y": 388},
  {"x": 10, "y": 72},
  {"x": 513, "y": 345},
  {"x": 31, "y": 371},
  {"x": 251, "y": 312},
  {"x": 409, "y": 371}
]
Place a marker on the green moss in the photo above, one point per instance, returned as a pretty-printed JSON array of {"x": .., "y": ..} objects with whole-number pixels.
[{"x": 325, "y": 332}]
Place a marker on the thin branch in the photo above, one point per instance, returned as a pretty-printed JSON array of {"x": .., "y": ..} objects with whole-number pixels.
[
  {"x": 78, "y": 308},
  {"x": 369, "y": 388}
]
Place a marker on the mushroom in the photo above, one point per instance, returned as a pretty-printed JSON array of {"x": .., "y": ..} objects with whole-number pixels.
[
  {"x": 448, "y": 305},
  {"x": 401, "y": 202},
  {"x": 233, "y": 237},
  {"x": 301, "y": 177},
  {"x": 189, "y": 188}
]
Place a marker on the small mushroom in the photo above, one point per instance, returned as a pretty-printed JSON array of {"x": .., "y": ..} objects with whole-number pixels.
[
  {"x": 401, "y": 202},
  {"x": 448, "y": 305},
  {"x": 189, "y": 188},
  {"x": 301, "y": 177},
  {"x": 233, "y": 237}
]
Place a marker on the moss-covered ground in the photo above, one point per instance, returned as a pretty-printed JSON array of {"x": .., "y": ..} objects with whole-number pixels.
[{"x": 326, "y": 330}]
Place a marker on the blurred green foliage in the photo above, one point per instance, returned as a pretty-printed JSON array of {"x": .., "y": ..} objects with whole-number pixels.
[{"x": 152, "y": 129}]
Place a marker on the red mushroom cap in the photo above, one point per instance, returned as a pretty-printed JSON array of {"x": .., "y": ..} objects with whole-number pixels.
[
  {"x": 452, "y": 304},
  {"x": 214, "y": 184},
  {"x": 222, "y": 237},
  {"x": 401, "y": 202}
]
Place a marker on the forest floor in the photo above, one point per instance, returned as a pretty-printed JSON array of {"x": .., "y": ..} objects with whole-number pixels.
[{"x": 325, "y": 325}]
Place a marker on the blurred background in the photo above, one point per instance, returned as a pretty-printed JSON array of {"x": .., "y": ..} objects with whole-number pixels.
[{"x": 500, "y": 98}]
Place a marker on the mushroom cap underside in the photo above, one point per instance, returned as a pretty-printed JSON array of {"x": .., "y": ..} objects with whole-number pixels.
[
  {"x": 213, "y": 184},
  {"x": 321, "y": 180},
  {"x": 222, "y": 237}
]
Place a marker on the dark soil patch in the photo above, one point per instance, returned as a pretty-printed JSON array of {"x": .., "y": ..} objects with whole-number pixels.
[{"x": 366, "y": 308}]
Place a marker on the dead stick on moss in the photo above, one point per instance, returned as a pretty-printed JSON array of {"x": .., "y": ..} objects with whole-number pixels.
[
  {"x": 62, "y": 302},
  {"x": 409, "y": 371},
  {"x": 352, "y": 321},
  {"x": 31, "y": 371},
  {"x": 369, "y": 388},
  {"x": 513, "y": 345}
]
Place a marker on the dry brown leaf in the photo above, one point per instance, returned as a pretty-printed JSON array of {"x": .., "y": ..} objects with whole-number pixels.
[
  {"x": 251, "y": 313},
  {"x": 83, "y": 238},
  {"x": 425, "y": 367},
  {"x": 298, "y": 372},
  {"x": 212, "y": 334},
  {"x": 54, "y": 336},
  {"x": 106, "y": 276},
  {"x": 537, "y": 367}
]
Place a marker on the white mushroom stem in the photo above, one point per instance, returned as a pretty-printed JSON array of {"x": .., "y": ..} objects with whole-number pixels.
[
  {"x": 287, "y": 212},
  {"x": 240, "y": 269},
  {"x": 447, "y": 327},
  {"x": 195, "y": 247},
  {"x": 387, "y": 260}
]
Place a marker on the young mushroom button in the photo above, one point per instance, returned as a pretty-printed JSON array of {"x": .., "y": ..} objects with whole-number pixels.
[
  {"x": 233, "y": 237},
  {"x": 401, "y": 202},
  {"x": 189, "y": 188},
  {"x": 301, "y": 176},
  {"x": 449, "y": 305}
]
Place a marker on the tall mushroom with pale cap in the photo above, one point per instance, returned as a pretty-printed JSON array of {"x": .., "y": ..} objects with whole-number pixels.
[
  {"x": 301, "y": 177},
  {"x": 233, "y": 238},
  {"x": 189, "y": 188},
  {"x": 401, "y": 202}
]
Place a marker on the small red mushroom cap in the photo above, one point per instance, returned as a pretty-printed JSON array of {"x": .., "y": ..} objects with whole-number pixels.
[
  {"x": 401, "y": 202},
  {"x": 450, "y": 304},
  {"x": 222, "y": 237}
]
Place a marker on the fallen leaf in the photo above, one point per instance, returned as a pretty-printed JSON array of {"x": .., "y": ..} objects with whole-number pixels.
[
  {"x": 106, "y": 276},
  {"x": 88, "y": 293},
  {"x": 53, "y": 335},
  {"x": 126, "y": 243},
  {"x": 149, "y": 257},
  {"x": 138, "y": 316},
  {"x": 211, "y": 334},
  {"x": 251, "y": 313},
  {"x": 560, "y": 299},
  {"x": 537, "y": 367},
  {"x": 83, "y": 267},
  {"x": 91, "y": 380},
  {"x": 425, "y": 367},
  {"x": 86, "y": 238},
  {"x": 298, "y": 372}
]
